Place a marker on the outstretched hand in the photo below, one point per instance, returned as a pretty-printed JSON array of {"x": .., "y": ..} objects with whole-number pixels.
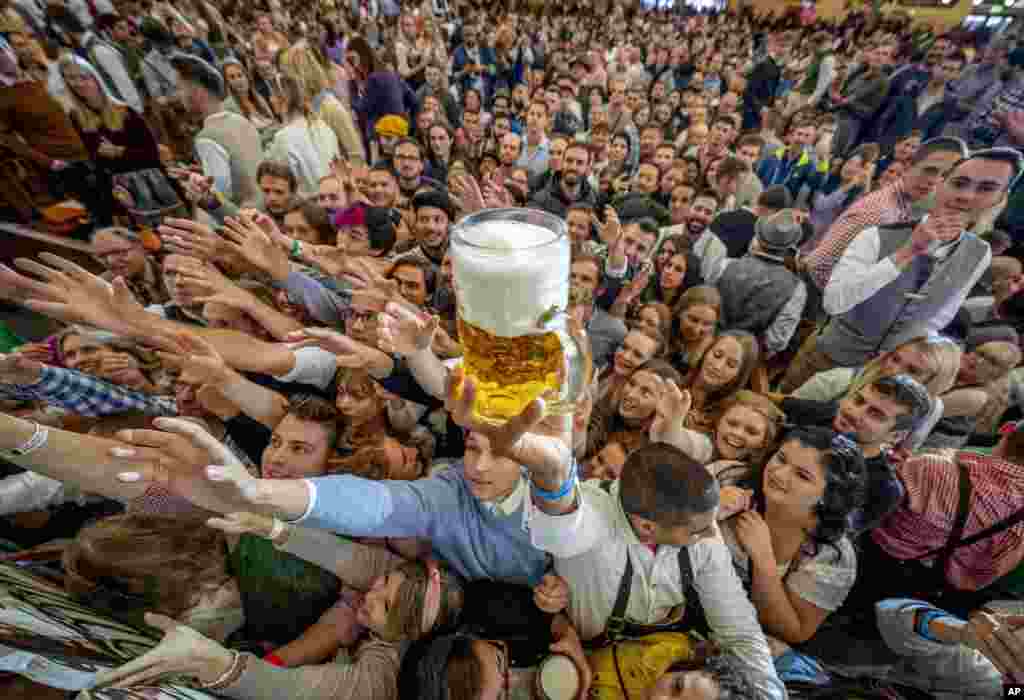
[
  {"x": 405, "y": 331},
  {"x": 184, "y": 458},
  {"x": 182, "y": 652},
  {"x": 670, "y": 413},
  {"x": 70, "y": 293},
  {"x": 243, "y": 524},
  {"x": 523, "y": 438}
]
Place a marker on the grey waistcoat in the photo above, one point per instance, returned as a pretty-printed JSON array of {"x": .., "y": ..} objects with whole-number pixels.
[{"x": 890, "y": 317}]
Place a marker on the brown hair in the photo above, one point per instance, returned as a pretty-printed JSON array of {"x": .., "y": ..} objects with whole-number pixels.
[
  {"x": 751, "y": 355},
  {"x": 701, "y": 295},
  {"x": 162, "y": 563},
  {"x": 664, "y": 313},
  {"x": 278, "y": 169},
  {"x": 316, "y": 216},
  {"x": 405, "y": 616},
  {"x": 313, "y": 409},
  {"x": 766, "y": 408}
]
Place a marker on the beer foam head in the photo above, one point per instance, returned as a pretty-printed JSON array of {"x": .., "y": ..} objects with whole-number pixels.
[
  {"x": 508, "y": 274},
  {"x": 559, "y": 678}
]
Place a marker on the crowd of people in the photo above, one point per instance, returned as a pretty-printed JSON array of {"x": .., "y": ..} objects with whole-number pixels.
[{"x": 796, "y": 467}]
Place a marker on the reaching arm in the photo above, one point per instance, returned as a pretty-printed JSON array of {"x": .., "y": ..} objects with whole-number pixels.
[
  {"x": 69, "y": 457},
  {"x": 86, "y": 395}
]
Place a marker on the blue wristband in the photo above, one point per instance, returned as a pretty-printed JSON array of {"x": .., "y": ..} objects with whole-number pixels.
[
  {"x": 923, "y": 618},
  {"x": 562, "y": 492}
]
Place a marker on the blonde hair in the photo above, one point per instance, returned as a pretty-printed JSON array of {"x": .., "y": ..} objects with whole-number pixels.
[
  {"x": 302, "y": 64},
  {"x": 941, "y": 353},
  {"x": 113, "y": 114}
]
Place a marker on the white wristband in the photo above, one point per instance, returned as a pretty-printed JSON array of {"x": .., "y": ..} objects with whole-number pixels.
[{"x": 276, "y": 530}]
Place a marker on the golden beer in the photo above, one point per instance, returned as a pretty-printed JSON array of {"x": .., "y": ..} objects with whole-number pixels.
[
  {"x": 509, "y": 372},
  {"x": 511, "y": 273}
]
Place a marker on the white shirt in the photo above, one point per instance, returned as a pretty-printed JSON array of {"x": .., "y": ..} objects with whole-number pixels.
[
  {"x": 859, "y": 275},
  {"x": 215, "y": 159},
  {"x": 710, "y": 250},
  {"x": 590, "y": 546},
  {"x": 313, "y": 366},
  {"x": 308, "y": 147}
]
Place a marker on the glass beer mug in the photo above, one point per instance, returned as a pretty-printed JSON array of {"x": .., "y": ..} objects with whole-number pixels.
[{"x": 511, "y": 274}]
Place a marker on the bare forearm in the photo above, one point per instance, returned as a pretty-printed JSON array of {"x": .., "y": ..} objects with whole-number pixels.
[
  {"x": 82, "y": 460},
  {"x": 550, "y": 469},
  {"x": 428, "y": 370},
  {"x": 276, "y": 323},
  {"x": 775, "y": 611},
  {"x": 259, "y": 403}
]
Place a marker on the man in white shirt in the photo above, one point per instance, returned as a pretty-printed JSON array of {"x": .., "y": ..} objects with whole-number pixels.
[
  {"x": 634, "y": 551},
  {"x": 905, "y": 281},
  {"x": 228, "y": 146},
  {"x": 704, "y": 243}
]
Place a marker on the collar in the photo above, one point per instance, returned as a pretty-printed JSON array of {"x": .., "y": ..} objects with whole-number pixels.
[
  {"x": 511, "y": 503},
  {"x": 623, "y": 524}
]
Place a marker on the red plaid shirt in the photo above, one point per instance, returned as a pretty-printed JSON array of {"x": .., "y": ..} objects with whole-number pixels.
[
  {"x": 888, "y": 205},
  {"x": 923, "y": 521}
]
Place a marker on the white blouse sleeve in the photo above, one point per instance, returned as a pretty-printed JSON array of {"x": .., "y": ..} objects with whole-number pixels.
[{"x": 825, "y": 579}]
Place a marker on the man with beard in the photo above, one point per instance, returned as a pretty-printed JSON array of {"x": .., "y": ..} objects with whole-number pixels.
[
  {"x": 571, "y": 186},
  {"x": 278, "y": 184},
  {"x": 409, "y": 165},
  {"x": 434, "y": 214},
  {"x": 509, "y": 150},
  {"x": 382, "y": 187},
  {"x": 896, "y": 283},
  {"x": 878, "y": 414},
  {"x": 707, "y": 246},
  {"x": 720, "y": 137}
]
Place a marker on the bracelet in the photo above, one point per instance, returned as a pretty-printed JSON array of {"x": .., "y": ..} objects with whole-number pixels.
[
  {"x": 276, "y": 530},
  {"x": 563, "y": 491},
  {"x": 274, "y": 660},
  {"x": 40, "y": 434},
  {"x": 231, "y": 675},
  {"x": 923, "y": 618},
  {"x": 296, "y": 248}
]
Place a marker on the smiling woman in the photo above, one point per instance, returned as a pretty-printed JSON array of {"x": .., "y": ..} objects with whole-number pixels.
[
  {"x": 724, "y": 368},
  {"x": 792, "y": 548}
]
